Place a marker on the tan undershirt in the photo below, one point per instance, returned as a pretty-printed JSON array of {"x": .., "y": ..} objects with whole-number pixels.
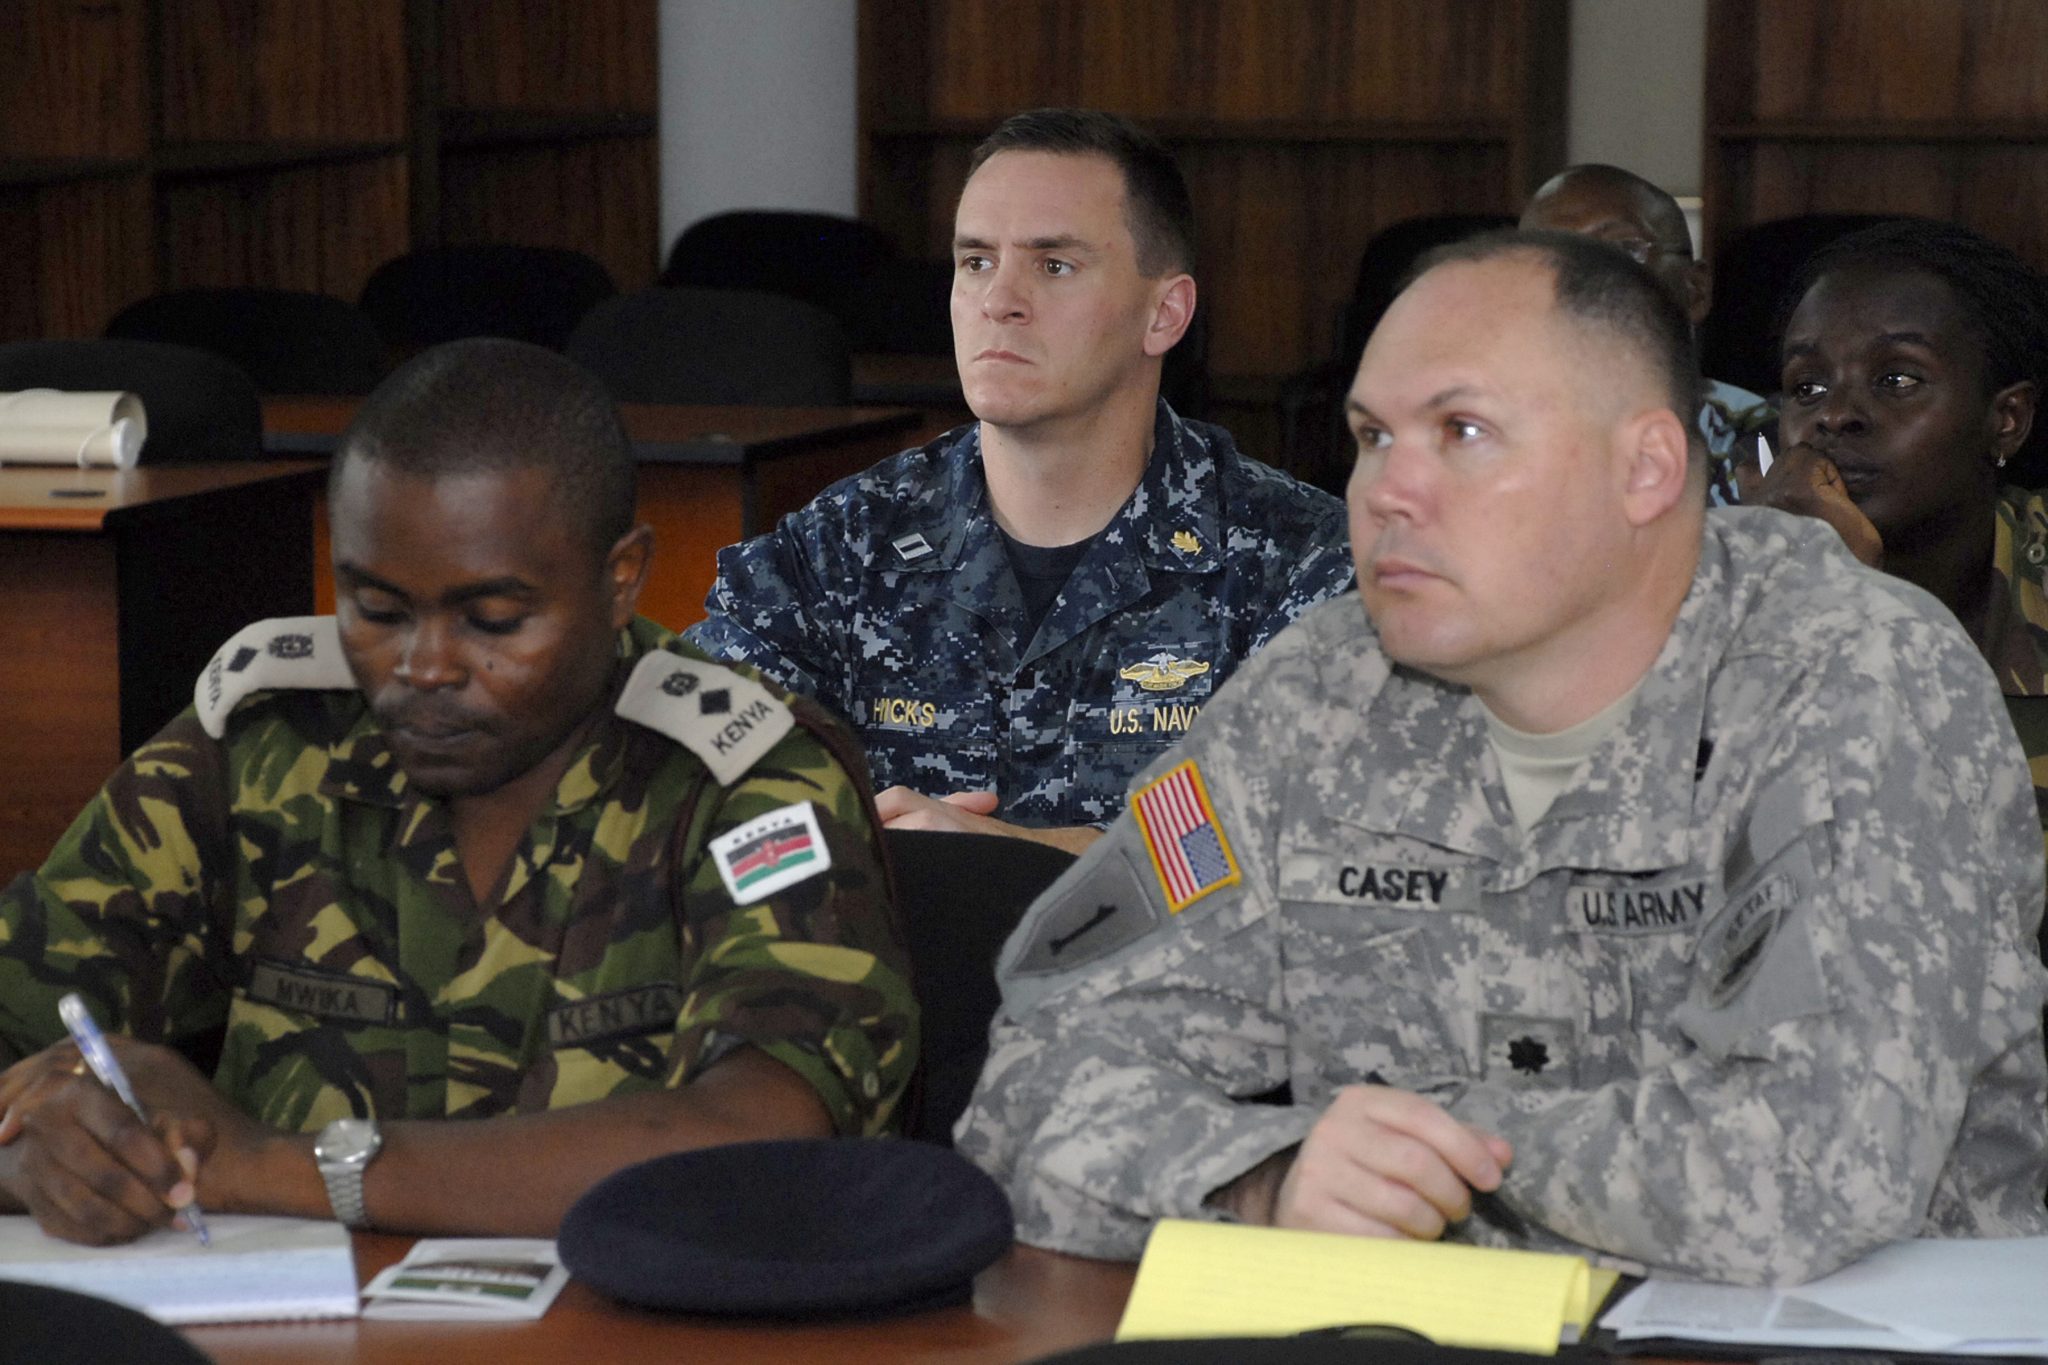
[{"x": 1535, "y": 768}]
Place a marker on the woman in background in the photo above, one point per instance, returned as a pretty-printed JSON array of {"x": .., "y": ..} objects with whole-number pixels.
[{"x": 1913, "y": 361}]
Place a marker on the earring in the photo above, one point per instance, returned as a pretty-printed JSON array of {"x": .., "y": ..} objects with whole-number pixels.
[{"x": 2001, "y": 461}]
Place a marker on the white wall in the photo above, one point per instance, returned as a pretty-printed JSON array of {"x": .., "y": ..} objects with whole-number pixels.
[
  {"x": 757, "y": 107},
  {"x": 1638, "y": 79}
]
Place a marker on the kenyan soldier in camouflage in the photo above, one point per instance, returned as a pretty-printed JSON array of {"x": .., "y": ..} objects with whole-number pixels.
[
  {"x": 1739, "y": 987},
  {"x": 686, "y": 936}
]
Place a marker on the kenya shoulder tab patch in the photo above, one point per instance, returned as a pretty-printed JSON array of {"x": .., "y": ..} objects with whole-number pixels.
[
  {"x": 771, "y": 853},
  {"x": 1189, "y": 850},
  {"x": 724, "y": 717},
  {"x": 285, "y": 652}
]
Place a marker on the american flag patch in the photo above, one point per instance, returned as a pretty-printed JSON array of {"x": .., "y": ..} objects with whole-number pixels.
[{"x": 1187, "y": 845}]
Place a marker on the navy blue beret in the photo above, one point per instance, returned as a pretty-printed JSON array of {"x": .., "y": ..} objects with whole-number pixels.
[
  {"x": 42, "y": 1325},
  {"x": 796, "y": 1229}
]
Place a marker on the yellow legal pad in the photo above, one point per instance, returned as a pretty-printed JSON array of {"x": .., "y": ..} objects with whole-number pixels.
[{"x": 1222, "y": 1279}]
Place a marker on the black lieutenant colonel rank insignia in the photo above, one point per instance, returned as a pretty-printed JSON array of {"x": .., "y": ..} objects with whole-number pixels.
[{"x": 1528, "y": 1052}]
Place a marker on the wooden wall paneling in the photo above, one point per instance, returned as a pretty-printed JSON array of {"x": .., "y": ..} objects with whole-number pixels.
[
  {"x": 1937, "y": 107},
  {"x": 282, "y": 71},
  {"x": 599, "y": 197},
  {"x": 1282, "y": 228},
  {"x": 1303, "y": 127},
  {"x": 72, "y": 80},
  {"x": 78, "y": 252},
  {"x": 1392, "y": 60},
  {"x": 322, "y": 228},
  {"x": 545, "y": 55}
]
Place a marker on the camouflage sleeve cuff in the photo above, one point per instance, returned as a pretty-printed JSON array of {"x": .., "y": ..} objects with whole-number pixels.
[
  {"x": 1230, "y": 1147},
  {"x": 858, "y": 1075}
]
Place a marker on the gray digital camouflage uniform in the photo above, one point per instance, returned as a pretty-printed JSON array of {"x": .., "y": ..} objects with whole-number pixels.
[
  {"x": 1757, "y": 994},
  {"x": 286, "y": 881},
  {"x": 890, "y": 598}
]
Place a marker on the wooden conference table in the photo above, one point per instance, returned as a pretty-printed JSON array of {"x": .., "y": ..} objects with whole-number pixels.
[
  {"x": 709, "y": 476},
  {"x": 1029, "y": 1304},
  {"x": 116, "y": 587}
]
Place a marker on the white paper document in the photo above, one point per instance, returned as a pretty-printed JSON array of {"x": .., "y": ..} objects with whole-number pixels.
[
  {"x": 257, "y": 1270},
  {"x": 1956, "y": 1297},
  {"x": 469, "y": 1279}
]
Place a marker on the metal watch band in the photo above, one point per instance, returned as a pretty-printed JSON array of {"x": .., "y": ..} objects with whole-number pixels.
[{"x": 345, "y": 1193}]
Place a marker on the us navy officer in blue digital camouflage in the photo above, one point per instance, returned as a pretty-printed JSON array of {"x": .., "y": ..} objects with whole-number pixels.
[{"x": 1021, "y": 615}]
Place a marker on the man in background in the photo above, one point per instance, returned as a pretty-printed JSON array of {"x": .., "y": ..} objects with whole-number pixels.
[
  {"x": 1622, "y": 208},
  {"x": 1018, "y": 616}
]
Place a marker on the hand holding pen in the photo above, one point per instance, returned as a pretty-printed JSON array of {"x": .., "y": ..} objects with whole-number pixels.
[{"x": 92, "y": 1046}]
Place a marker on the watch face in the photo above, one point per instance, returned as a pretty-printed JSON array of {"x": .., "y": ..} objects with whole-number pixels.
[{"x": 346, "y": 1140}]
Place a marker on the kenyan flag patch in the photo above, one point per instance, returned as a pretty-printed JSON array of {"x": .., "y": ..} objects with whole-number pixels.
[{"x": 767, "y": 854}]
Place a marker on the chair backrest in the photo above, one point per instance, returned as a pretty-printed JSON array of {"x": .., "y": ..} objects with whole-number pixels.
[
  {"x": 445, "y": 293},
  {"x": 199, "y": 406},
  {"x": 1383, "y": 266},
  {"x": 809, "y": 256},
  {"x": 1752, "y": 271},
  {"x": 959, "y": 896},
  {"x": 719, "y": 346},
  {"x": 287, "y": 340},
  {"x": 899, "y": 308},
  {"x": 1315, "y": 441}
]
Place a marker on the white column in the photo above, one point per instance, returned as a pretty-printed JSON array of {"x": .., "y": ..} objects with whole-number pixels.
[{"x": 757, "y": 107}]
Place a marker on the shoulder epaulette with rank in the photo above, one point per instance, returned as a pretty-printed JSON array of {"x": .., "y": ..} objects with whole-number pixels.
[
  {"x": 283, "y": 653},
  {"x": 725, "y": 718}
]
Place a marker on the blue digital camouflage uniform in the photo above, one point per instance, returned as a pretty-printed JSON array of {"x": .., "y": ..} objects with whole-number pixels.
[
  {"x": 1757, "y": 994},
  {"x": 286, "y": 881},
  {"x": 1729, "y": 421},
  {"x": 890, "y": 598}
]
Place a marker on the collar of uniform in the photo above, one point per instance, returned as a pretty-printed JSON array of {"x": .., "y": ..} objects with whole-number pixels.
[
  {"x": 1630, "y": 806},
  {"x": 362, "y": 768},
  {"x": 1422, "y": 741},
  {"x": 1179, "y": 500},
  {"x": 950, "y": 511},
  {"x": 2016, "y": 644}
]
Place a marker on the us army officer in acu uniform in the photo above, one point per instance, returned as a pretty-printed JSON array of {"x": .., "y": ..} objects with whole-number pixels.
[
  {"x": 1668, "y": 877},
  {"x": 481, "y": 847}
]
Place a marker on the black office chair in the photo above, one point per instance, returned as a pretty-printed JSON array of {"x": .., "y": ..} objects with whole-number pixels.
[
  {"x": 810, "y": 256},
  {"x": 444, "y": 293},
  {"x": 959, "y": 896},
  {"x": 199, "y": 406},
  {"x": 718, "y": 346},
  {"x": 1315, "y": 442},
  {"x": 286, "y": 340},
  {"x": 1752, "y": 271},
  {"x": 898, "y": 308},
  {"x": 44, "y": 1326}
]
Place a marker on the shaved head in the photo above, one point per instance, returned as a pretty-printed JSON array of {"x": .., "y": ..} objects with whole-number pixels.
[{"x": 1622, "y": 209}]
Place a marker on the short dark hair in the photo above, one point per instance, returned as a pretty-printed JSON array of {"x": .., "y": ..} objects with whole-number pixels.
[
  {"x": 490, "y": 404},
  {"x": 2001, "y": 297},
  {"x": 1596, "y": 284},
  {"x": 1156, "y": 202}
]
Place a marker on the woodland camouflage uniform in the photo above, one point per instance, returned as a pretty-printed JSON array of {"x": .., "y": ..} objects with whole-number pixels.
[{"x": 287, "y": 882}]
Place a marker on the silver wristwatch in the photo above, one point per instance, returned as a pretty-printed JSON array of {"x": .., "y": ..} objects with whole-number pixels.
[{"x": 343, "y": 1151}]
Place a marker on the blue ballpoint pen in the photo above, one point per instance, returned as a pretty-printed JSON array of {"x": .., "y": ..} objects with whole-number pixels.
[{"x": 92, "y": 1045}]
